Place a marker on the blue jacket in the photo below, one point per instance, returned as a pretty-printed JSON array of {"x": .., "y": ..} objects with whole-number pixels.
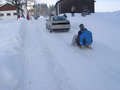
[{"x": 86, "y": 38}]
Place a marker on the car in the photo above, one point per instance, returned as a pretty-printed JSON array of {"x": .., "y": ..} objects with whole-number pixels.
[
  {"x": 57, "y": 23},
  {"x": 85, "y": 12}
]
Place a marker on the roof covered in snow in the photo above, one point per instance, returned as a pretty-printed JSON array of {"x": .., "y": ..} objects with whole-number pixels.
[{"x": 7, "y": 7}]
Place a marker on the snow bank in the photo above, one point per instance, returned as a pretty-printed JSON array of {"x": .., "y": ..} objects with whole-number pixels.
[{"x": 11, "y": 54}]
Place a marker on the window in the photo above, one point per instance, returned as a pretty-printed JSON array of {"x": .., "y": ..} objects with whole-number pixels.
[
  {"x": 1, "y": 14},
  {"x": 15, "y": 14},
  {"x": 59, "y": 18},
  {"x": 8, "y": 14}
]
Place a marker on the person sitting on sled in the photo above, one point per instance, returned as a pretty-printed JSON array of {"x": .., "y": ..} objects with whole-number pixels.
[{"x": 84, "y": 37}]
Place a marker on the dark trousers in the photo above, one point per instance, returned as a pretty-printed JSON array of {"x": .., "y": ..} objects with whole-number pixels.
[{"x": 77, "y": 40}]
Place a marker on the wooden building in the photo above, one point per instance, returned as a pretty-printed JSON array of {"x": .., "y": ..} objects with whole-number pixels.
[{"x": 65, "y": 6}]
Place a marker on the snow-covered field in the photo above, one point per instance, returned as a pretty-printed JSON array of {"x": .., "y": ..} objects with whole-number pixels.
[{"x": 31, "y": 58}]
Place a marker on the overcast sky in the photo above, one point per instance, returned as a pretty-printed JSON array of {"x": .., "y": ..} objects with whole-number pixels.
[{"x": 100, "y": 5}]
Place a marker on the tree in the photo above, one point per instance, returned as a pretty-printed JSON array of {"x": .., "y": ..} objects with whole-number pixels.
[
  {"x": 43, "y": 9},
  {"x": 18, "y": 4},
  {"x": 51, "y": 9}
]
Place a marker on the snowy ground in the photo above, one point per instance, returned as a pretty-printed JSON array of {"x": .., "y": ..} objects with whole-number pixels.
[{"x": 31, "y": 58}]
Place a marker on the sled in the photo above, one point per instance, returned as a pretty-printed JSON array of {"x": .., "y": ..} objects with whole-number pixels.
[
  {"x": 84, "y": 46},
  {"x": 75, "y": 44}
]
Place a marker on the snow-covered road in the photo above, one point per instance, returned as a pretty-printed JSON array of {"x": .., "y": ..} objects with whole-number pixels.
[
  {"x": 42, "y": 57},
  {"x": 51, "y": 63}
]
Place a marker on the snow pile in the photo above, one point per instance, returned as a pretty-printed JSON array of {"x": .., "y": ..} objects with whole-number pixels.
[
  {"x": 11, "y": 58},
  {"x": 31, "y": 58}
]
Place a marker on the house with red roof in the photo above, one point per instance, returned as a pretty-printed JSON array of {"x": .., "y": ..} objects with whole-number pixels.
[{"x": 8, "y": 11}]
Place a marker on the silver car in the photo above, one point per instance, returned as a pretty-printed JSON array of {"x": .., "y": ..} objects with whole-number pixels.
[{"x": 58, "y": 23}]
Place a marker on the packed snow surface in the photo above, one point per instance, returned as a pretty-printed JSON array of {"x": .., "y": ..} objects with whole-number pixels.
[{"x": 31, "y": 58}]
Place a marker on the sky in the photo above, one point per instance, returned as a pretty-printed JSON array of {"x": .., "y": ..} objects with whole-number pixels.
[
  {"x": 100, "y": 5},
  {"x": 107, "y": 5}
]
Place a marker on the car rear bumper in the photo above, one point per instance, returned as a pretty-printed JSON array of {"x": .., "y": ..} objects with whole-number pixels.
[
  {"x": 60, "y": 27},
  {"x": 66, "y": 29}
]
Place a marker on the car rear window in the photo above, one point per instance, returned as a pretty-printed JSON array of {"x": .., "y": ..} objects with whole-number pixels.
[{"x": 59, "y": 18}]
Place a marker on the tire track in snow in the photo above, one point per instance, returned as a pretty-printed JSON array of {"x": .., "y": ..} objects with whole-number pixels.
[
  {"x": 55, "y": 68},
  {"x": 58, "y": 72}
]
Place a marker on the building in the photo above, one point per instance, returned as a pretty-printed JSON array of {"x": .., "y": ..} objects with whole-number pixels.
[
  {"x": 65, "y": 6},
  {"x": 8, "y": 11},
  {"x": 30, "y": 6}
]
